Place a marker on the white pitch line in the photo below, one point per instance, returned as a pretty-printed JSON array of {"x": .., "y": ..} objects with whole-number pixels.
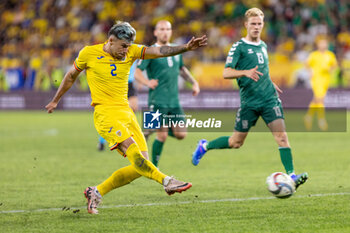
[{"x": 174, "y": 203}]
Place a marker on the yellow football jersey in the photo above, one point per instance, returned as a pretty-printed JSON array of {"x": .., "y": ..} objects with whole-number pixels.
[
  {"x": 321, "y": 63},
  {"x": 107, "y": 77}
]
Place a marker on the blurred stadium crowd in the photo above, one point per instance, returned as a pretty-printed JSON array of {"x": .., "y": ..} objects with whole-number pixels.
[{"x": 39, "y": 39}]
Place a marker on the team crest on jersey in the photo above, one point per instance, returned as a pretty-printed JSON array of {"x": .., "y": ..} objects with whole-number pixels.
[
  {"x": 118, "y": 133},
  {"x": 250, "y": 51}
]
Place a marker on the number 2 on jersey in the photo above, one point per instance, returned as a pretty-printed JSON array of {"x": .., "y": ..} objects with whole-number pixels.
[{"x": 113, "y": 73}]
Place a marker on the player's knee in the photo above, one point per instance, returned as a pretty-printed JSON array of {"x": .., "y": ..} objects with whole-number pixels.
[
  {"x": 162, "y": 136},
  {"x": 180, "y": 135},
  {"x": 282, "y": 140},
  {"x": 237, "y": 144},
  {"x": 233, "y": 143},
  {"x": 124, "y": 145}
]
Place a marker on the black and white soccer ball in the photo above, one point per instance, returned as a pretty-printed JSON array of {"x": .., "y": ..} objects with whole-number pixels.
[{"x": 280, "y": 185}]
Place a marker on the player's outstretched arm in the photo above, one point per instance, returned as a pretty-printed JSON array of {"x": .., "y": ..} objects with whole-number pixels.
[
  {"x": 66, "y": 84},
  {"x": 186, "y": 74},
  {"x": 230, "y": 73},
  {"x": 166, "y": 51}
]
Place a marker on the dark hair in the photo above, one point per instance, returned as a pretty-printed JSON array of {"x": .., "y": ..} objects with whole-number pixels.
[{"x": 123, "y": 31}]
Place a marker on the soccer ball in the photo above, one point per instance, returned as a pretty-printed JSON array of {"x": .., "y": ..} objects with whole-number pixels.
[{"x": 280, "y": 185}]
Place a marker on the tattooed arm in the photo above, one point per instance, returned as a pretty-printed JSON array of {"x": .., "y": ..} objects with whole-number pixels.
[{"x": 166, "y": 51}]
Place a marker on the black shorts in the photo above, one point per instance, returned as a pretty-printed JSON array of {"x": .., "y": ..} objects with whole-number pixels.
[{"x": 131, "y": 90}]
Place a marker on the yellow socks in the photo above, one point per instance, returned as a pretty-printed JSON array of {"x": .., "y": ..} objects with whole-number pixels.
[
  {"x": 319, "y": 108},
  {"x": 322, "y": 123},
  {"x": 143, "y": 166},
  {"x": 119, "y": 178},
  {"x": 320, "y": 111},
  {"x": 312, "y": 109}
]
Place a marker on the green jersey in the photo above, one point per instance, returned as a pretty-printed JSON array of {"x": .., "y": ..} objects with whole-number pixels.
[
  {"x": 245, "y": 55},
  {"x": 166, "y": 70}
]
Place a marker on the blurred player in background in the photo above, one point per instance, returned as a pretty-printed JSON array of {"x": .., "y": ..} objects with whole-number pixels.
[
  {"x": 322, "y": 63},
  {"x": 247, "y": 62},
  {"x": 107, "y": 69},
  {"x": 165, "y": 97}
]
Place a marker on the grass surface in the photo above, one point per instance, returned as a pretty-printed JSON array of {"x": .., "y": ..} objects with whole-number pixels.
[{"x": 46, "y": 161}]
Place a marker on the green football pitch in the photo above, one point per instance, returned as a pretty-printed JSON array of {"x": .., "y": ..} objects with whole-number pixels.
[{"x": 46, "y": 162}]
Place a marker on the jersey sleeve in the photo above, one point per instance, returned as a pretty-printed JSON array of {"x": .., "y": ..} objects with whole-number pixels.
[
  {"x": 233, "y": 56},
  {"x": 80, "y": 62},
  {"x": 138, "y": 51},
  {"x": 143, "y": 64}
]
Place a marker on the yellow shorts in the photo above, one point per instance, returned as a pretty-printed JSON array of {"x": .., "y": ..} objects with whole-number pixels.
[{"x": 115, "y": 124}]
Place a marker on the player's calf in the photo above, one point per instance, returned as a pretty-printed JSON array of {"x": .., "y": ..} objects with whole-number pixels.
[{"x": 281, "y": 138}]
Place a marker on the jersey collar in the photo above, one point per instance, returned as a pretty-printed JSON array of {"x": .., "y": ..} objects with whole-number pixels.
[{"x": 249, "y": 42}]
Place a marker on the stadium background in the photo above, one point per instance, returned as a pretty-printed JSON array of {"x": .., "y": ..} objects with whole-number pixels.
[{"x": 39, "y": 40}]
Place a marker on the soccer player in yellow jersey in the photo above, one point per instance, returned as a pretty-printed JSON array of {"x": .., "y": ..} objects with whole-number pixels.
[
  {"x": 107, "y": 68},
  {"x": 322, "y": 63}
]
